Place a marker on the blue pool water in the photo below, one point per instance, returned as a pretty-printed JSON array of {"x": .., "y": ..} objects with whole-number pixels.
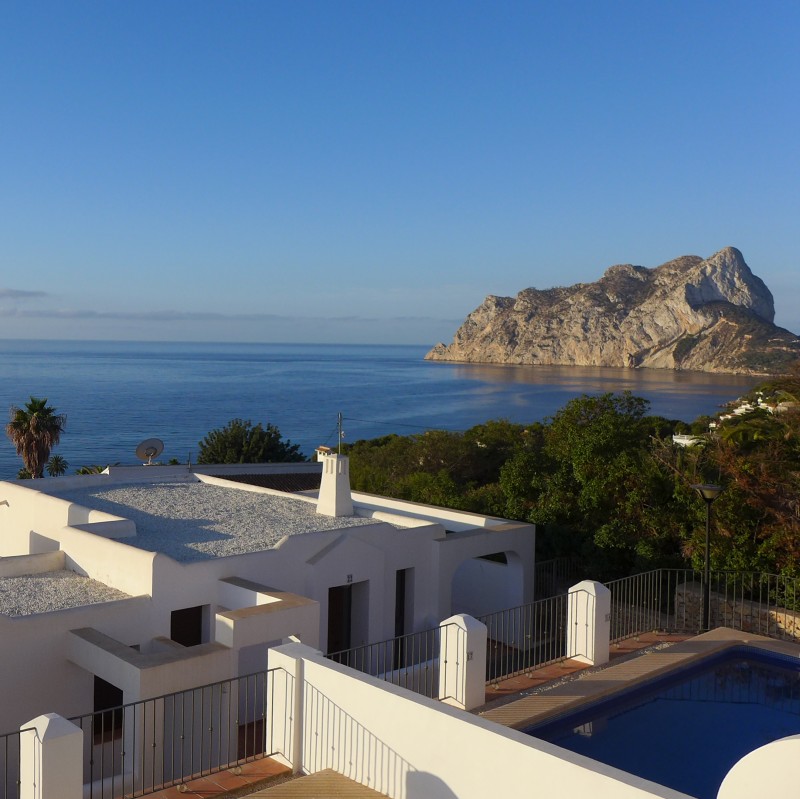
[{"x": 687, "y": 731}]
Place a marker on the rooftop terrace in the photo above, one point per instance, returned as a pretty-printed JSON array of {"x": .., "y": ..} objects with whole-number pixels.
[
  {"x": 191, "y": 521},
  {"x": 56, "y": 590}
]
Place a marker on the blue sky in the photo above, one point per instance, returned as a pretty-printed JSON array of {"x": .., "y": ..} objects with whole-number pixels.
[{"x": 368, "y": 172}]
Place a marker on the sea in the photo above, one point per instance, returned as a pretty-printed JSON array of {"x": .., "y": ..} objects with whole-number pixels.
[{"x": 116, "y": 394}]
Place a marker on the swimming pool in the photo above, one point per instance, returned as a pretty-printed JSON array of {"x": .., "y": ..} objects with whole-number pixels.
[{"x": 686, "y": 731}]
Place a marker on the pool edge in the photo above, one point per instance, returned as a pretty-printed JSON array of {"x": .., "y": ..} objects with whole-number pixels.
[{"x": 602, "y": 683}]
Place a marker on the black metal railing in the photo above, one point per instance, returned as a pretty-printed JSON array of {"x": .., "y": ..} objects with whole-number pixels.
[
  {"x": 555, "y": 576},
  {"x": 415, "y": 661},
  {"x": 136, "y": 749},
  {"x": 10, "y": 763},
  {"x": 645, "y": 602},
  {"x": 671, "y": 600},
  {"x": 524, "y": 638}
]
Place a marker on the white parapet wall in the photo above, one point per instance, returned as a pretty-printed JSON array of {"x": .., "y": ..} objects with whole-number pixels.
[
  {"x": 19, "y": 565},
  {"x": 770, "y": 770},
  {"x": 411, "y": 747}
]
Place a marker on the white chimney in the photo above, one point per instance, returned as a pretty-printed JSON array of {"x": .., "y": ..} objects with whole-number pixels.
[{"x": 334, "y": 491}]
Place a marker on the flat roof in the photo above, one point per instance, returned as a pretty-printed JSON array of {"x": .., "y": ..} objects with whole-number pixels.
[
  {"x": 49, "y": 591},
  {"x": 191, "y": 521}
]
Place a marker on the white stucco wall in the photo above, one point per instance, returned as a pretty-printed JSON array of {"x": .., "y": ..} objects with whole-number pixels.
[
  {"x": 35, "y": 673},
  {"x": 410, "y": 747},
  {"x": 482, "y": 586}
]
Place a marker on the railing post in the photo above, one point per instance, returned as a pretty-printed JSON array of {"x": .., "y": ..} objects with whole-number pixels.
[
  {"x": 462, "y": 662},
  {"x": 51, "y": 759},
  {"x": 589, "y": 622}
]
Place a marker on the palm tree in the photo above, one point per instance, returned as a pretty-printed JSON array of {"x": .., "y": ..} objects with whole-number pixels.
[
  {"x": 56, "y": 466},
  {"x": 34, "y": 430}
]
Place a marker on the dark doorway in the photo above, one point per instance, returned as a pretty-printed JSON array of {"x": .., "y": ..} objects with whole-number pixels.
[
  {"x": 400, "y": 602},
  {"x": 186, "y": 626},
  {"x": 404, "y": 602},
  {"x": 107, "y": 721},
  {"x": 340, "y": 617}
]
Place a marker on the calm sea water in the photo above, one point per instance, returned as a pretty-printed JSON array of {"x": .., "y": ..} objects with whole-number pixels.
[{"x": 117, "y": 393}]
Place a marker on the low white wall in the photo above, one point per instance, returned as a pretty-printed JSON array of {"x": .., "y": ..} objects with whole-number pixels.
[
  {"x": 217, "y": 480},
  {"x": 410, "y": 747},
  {"x": 17, "y": 565},
  {"x": 144, "y": 676},
  {"x": 266, "y": 624},
  {"x": 126, "y": 568},
  {"x": 235, "y": 592},
  {"x": 455, "y": 520}
]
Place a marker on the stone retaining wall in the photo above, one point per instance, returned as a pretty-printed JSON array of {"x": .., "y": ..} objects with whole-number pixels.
[{"x": 738, "y": 613}]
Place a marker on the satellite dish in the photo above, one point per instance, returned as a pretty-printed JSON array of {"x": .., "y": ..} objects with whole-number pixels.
[{"x": 150, "y": 448}]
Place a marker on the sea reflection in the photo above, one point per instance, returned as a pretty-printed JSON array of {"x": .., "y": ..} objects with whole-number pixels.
[{"x": 670, "y": 392}]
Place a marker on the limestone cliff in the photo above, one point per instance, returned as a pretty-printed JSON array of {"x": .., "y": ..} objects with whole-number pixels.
[{"x": 711, "y": 315}]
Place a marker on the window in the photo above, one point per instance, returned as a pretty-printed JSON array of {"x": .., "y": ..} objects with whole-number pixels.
[{"x": 186, "y": 626}]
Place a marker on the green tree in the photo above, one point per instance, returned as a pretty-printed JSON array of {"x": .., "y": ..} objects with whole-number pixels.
[
  {"x": 34, "y": 430},
  {"x": 241, "y": 441},
  {"x": 593, "y": 487},
  {"x": 56, "y": 466}
]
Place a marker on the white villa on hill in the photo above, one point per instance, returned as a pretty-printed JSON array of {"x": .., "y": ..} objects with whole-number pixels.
[
  {"x": 147, "y": 580},
  {"x": 203, "y": 600}
]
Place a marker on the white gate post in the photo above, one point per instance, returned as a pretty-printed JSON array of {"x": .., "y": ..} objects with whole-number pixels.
[
  {"x": 51, "y": 759},
  {"x": 589, "y": 622},
  {"x": 462, "y": 662}
]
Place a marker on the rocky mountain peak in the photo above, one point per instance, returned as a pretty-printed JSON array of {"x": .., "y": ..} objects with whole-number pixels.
[
  {"x": 708, "y": 314},
  {"x": 725, "y": 277}
]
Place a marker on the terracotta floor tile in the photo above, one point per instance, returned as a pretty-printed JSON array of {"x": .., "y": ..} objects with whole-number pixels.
[
  {"x": 220, "y": 783},
  {"x": 170, "y": 793},
  {"x": 203, "y": 787},
  {"x": 227, "y": 781},
  {"x": 265, "y": 767}
]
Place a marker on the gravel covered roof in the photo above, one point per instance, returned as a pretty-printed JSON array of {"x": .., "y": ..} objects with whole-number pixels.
[
  {"x": 197, "y": 521},
  {"x": 57, "y": 590}
]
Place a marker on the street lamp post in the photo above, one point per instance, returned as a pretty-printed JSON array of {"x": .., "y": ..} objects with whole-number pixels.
[{"x": 709, "y": 493}]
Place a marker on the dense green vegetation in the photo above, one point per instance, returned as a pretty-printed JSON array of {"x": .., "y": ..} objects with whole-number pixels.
[
  {"x": 603, "y": 480},
  {"x": 242, "y": 441}
]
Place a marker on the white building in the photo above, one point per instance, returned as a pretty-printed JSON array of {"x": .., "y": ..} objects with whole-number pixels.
[
  {"x": 131, "y": 585},
  {"x": 142, "y": 581}
]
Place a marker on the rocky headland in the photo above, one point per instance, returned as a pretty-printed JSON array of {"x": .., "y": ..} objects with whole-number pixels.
[{"x": 710, "y": 315}]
